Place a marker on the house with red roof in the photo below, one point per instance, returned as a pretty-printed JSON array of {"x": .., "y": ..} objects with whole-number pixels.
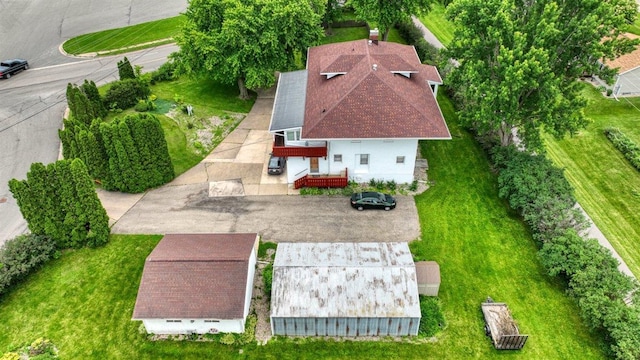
[
  {"x": 197, "y": 284},
  {"x": 357, "y": 112}
]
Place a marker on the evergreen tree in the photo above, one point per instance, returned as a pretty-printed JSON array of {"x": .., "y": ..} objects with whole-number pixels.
[
  {"x": 59, "y": 201},
  {"x": 125, "y": 70},
  {"x": 92, "y": 226},
  {"x": 90, "y": 89}
]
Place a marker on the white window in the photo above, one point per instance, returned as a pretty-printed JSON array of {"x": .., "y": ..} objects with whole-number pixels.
[
  {"x": 293, "y": 135},
  {"x": 174, "y": 321},
  {"x": 364, "y": 159},
  {"x": 337, "y": 158},
  {"x": 212, "y": 321},
  {"x": 399, "y": 159}
]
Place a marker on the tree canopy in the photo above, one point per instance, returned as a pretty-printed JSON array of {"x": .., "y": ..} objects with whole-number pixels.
[
  {"x": 246, "y": 41},
  {"x": 520, "y": 61},
  {"x": 387, "y": 13}
]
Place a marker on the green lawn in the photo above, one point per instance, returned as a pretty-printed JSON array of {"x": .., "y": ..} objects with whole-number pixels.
[
  {"x": 123, "y": 37},
  {"x": 436, "y": 21},
  {"x": 635, "y": 27},
  {"x": 606, "y": 185},
  {"x": 84, "y": 300}
]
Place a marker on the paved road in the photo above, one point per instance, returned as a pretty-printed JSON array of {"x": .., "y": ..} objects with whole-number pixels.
[
  {"x": 32, "y": 103},
  {"x": 31, "y": 108},
  {"x": 34, "y": 29}
]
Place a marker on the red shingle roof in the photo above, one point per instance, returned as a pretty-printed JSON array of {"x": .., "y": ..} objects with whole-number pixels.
[
  {"x": 370, "y": 101},
  {"x": 195, "y": 276}
]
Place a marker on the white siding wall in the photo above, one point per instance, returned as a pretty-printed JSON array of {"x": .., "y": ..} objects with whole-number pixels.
[
  {"x": 249, "y": 290},
  {"x": 199, "y": 326},
  {"x": 382, "y": 160}
]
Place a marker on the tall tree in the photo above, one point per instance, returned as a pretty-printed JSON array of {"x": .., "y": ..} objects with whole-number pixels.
[
  {"x": 125, "y": 70},
  {"x": 520, "y": 61},
  {"x": 246, "y": 42},
  {"x": 387, "y": 13},
  {"x": 60, "y": 201}
]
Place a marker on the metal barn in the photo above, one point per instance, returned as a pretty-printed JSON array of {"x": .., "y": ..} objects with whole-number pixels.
[{"x": 344, "y": 289}]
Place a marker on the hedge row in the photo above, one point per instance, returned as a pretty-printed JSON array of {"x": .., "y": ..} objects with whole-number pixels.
[
  {"x": 22, "y": 255},
  {"x": 60, "y": 201},
  {"x": 626, "y": 146},
  {"x": 414, "y": 36},
  {"x": 129, "y": 154},
  {"x": 535, "y": 188}
]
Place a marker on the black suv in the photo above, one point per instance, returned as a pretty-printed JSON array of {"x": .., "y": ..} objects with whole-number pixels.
[
  {"x": 276, "y": 165},
  {"x": 10, "y": 67}
]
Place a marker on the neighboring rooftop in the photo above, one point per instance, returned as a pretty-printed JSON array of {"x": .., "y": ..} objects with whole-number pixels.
[
  {"x": 195, "y": 276},
  {"x": 344, "y": 280},
  {"x": 628, "y": 61}
]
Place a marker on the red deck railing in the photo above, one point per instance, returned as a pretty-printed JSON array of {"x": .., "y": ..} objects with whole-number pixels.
[
  {"x": 328, "y": 181},
  {"x": 300, "y": 151}
]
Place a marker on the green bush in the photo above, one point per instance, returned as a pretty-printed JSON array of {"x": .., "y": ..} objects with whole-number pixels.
[
  {"x": 249, "y": 334},
  {"x": 414, "y": 36},
  {"x": 141, "y": 106},
  {"x": 227, "y": 339},
  {"x": 264, "y": 247},
  {"x": 626, "y": 146},
  {"x": 166, "y": 72},
  {"x": 22, "y": 255},
  {"x": 267, "y": 277},
  {"x": 432, "y": 320},
  {"x": 10, "y": 356},
  {"x": 124, "y": 94},
  {"x": 539, "y": 192}
]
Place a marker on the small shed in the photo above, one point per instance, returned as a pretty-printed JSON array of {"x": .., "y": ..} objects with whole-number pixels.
[
  {"x": 428, "y": 273},
  {"x": 197, "y": 283},
  {"x": 344, "y": 289}
]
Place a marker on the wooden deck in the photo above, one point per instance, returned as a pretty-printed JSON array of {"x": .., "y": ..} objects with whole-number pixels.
[{"x": 323, "y": 181}]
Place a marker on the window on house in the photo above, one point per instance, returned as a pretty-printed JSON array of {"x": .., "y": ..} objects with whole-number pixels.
[
  {"x": 399, "y": 159},
  {"x": 337, "y": 158},
  {"x": 174, "y": 321},
  {"x": 212, "y": 321},
  {"x": 293, "y": 135},
  {"x": 364, "y": 159}
]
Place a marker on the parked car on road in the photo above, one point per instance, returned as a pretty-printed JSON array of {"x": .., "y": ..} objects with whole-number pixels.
[
  {"x": 372, "y": 200},
  {"x": 13, "y": 66},
  {"x": 276, "y": 165}
]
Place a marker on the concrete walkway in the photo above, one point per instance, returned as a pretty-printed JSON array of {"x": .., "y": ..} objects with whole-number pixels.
[
  {"x": 593, "y": 231},
  {"x": 236, "y": 167}
]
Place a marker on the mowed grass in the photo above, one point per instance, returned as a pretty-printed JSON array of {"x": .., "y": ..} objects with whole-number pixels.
[
  {"x": 485, "y": 250},
  {"x": 84, "y": 301},
  {"x": 606, "y": 185},
  {"x": 436, "y": 21},
  {"x": 124, "y": 37},
  {"x": 207, "y": 96}
]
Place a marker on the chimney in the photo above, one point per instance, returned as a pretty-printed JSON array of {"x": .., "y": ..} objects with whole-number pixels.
[{"x": 373, "y": 36}]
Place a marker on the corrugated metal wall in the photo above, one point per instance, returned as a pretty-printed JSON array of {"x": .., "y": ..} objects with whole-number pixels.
[{"x": 345, "y": 326}]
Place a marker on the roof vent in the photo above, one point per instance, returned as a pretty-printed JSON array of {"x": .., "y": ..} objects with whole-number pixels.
[{"x": 375, "y": 67}]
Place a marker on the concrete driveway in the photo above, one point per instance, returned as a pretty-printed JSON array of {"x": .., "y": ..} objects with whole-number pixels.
[
  {"x": 278, "y": 218},
  {"x": 230, "y": 191}
]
